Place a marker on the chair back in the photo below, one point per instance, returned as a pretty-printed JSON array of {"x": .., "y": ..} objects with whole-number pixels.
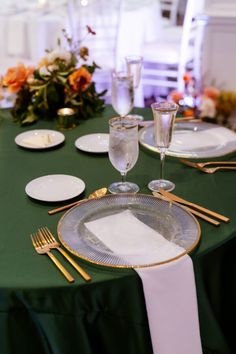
[
  {"x": 169, "y": 9},
  {"x": 188, "y": 49},
  {"x": 103, "y": 17},
  {"x": 166, "y": 59}
]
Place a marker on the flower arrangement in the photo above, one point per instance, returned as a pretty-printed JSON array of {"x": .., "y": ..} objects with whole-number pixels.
[
  {"x": 211, "y": 104},
  {"x": 58, "y": 81}
]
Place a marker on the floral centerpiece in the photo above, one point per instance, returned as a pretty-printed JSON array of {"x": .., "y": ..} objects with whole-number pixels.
[
  {"x": 59, "y": 81},
  {"x": 211, "y": 104}
]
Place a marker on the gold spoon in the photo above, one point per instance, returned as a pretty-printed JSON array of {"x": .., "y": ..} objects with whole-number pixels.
[{"x": 96, "y": 194}]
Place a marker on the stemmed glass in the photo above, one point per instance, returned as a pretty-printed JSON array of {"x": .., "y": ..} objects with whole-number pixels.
[
  {"x": 123, "y": 151},
  {"x": 122, "y": 92},
  {"x": 164, "y": 116},
  {"x": 134, "y": 65}
]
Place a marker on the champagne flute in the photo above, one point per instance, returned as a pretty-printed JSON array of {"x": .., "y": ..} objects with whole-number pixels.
[
  {"x": 123, "y": 151},
  {"x": 134, "y": 66},
  {"x": 164, "y": 116},
  {"x": 122, "y": 92}
]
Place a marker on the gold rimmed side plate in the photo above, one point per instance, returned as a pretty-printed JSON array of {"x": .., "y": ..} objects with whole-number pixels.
[{"x": 172, "y": 221}]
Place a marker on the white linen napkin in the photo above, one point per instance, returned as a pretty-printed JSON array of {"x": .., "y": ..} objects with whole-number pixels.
[
  {"x": 169, "y": 289},
  {"x": 38, "y": 140},
  {"x": 192, "y": 140},
  {"x": 171, "y": 303}
]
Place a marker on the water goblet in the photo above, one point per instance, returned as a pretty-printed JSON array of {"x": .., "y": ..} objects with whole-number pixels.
[
  {"x": 122, "y": 92},
  {"x": 123, "y": 151},
  {"x": 164, "y": 116}
]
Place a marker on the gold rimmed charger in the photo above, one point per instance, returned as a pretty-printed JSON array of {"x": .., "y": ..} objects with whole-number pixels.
[{"x": 166, "y": 226}]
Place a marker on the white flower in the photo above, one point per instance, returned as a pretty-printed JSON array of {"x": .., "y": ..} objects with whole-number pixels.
[
  {"x": 59, "y": 54},
  {"x": 207, "y": 107},
  {"x": 43, "y": 71}
]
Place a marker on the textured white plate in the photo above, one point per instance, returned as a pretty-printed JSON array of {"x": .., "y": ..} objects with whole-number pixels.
[
  {"x": 56, "y": 138},
  {"x": 55, "y": 188},
  {"x": 96, "y": 143},
  {"x": 194, "y": 140}
]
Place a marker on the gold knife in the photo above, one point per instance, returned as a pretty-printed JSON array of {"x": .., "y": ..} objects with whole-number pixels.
[
  {"x": 183, "y": 201},
  {"x": 192, "y": 211}
]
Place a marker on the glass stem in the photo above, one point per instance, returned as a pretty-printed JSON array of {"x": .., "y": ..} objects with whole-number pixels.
[
  {"x": 162, "y": 157},
  {"x": 123, "y": 177}
]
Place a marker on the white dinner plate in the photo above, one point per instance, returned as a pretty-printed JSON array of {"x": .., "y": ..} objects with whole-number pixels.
[
  {"x": 194, "y": 140},
  {"x": 39, "y": 139},
  {"x": 55, "y": 188},
  {"x": 96, "y": 143}
]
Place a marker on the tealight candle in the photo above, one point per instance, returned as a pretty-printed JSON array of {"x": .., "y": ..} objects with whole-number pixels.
[{"x": 66, "y": 118}]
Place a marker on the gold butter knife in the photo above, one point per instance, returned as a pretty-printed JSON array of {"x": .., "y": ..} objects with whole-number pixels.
[{"x": 199, "y": 207}]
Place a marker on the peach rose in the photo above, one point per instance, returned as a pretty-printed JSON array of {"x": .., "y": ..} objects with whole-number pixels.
[
  {"x": 211, "y": 92},
  {"x": 80, "y": 79},
  {"x": 16, "y": 77}
]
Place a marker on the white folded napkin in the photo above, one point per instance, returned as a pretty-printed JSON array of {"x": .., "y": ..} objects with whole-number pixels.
[
  {"x": 210, "y": 138},
  {"x": 38, "y": 140},
  {"x": 171, "y": 303},
  {"x": 169, "y": 289},
  {"x": 133, "y": 240}
]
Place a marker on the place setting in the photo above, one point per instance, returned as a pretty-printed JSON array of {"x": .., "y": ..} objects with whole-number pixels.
[{"x": 194, "y": 140}]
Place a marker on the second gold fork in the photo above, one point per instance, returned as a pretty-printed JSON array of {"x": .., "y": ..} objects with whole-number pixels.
[{"x": 215, "y": 169}]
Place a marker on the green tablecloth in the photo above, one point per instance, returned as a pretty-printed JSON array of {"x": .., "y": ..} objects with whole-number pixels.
[{"x": 41, "y": 313}]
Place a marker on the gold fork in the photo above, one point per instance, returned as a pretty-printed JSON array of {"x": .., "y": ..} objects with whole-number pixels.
[
  {"x": 42, "y": 248},
  {"x": 50, "y": 241},
  {"x": 203, "y": 164},
  {"x": 215, "y": 169}
]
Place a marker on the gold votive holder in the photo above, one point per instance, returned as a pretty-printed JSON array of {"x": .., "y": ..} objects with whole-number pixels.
[{"x": 66, "y": 118}]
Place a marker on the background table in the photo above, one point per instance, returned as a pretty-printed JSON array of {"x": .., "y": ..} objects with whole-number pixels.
[{"x": 39, "y": 309}]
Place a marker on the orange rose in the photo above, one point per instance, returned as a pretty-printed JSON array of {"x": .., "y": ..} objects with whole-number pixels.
[
  {"x": 16, "y": 77},
  {"x": 211, "y": 92},
  {"x": 188, "y": 113},
  {"x": 187, "y": 77},
  {"x": 176, "y": 96},
  {"x": 80, "y": 79}
]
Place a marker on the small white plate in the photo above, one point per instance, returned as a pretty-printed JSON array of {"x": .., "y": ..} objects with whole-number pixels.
[
  {"x": 55, "y": 188},
  {"x": 34, "y": 139},
  {"x": 97, "y": 143}
]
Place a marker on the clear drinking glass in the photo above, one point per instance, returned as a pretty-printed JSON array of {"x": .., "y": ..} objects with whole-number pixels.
[
  {"x": 164, "y": 116},
  {"x": 123, "y": 151},
  {"x": 122, "y": 92},
  {"x": 134, "y": 65}
]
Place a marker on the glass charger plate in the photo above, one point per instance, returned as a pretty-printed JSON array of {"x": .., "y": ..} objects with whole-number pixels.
[
  {"x": 178, "y": 228},
  {"x": 194, "y": 140}
]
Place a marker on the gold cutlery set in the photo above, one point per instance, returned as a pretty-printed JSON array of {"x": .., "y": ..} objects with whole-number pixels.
[
  {"x": 193, "y": 208},
  {"x": 43, "y": 241}
]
